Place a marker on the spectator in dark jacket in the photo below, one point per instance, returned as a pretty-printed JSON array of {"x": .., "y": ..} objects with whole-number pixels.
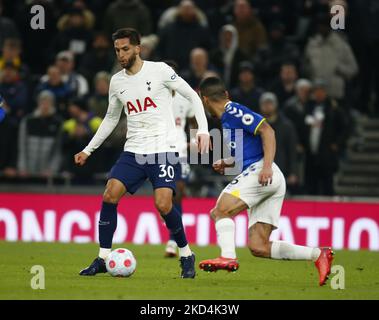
[
  {"x": 278, "y": 50},
  {"x": 8, "y": 28},
  {"x": 39, "y": 139},
  {"x": 128, "y": 13},
  {"x": 76, "y": 37},
  {"x": 178, "y": 38},
  {"x": 100, "y": 58},
  {"x": 251, "y": 31},
  {"x": 326, "y": 136},
  {"x": 199, "y": 66},
  {"x": 284, "y": 87},
  {"x": 247, "y": 93},
  {"x": 8, "y": 147},
  {"x": 14, "y": 90},
  {"x": 286, "y": 139},
  {"x": 295, "y": 108},
  {"x": 227, "y": 57}
]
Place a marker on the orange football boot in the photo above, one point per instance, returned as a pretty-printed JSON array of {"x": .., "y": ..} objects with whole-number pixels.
[
  {"x": 324, "y": 264},
  {"x": 221, "y": 263}
]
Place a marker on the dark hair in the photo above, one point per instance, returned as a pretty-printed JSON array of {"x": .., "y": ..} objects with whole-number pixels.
[
  {"x": 213, "y": 87},
  {"x": 130, "y": 33}
]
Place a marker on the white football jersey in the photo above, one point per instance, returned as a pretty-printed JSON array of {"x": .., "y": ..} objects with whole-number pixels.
[
  {"x": 146, "y": 98},
  {"x": 182, "y": 109}
]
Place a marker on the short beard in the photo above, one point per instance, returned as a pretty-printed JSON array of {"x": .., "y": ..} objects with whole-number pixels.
[{"x": 130, "y": 63}]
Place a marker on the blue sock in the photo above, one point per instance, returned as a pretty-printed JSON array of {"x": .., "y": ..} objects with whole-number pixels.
[
  {"x": 178, "y": 207},
  {"x": 107, "y": 224},
  {"x": 174, "y": 224}
]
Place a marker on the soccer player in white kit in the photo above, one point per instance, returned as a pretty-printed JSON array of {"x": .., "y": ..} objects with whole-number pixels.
[
  {"x": 143, "y": 89},
  {"x": 260, "y": 188}
]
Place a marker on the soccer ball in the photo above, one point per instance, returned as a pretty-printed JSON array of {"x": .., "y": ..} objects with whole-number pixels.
[{"x": 121, "y": 263}]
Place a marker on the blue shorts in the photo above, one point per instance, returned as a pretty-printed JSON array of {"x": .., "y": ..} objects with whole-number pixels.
[{"x": 132, "y": 172}]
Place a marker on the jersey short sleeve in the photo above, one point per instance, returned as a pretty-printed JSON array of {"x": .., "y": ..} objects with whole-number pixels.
[
  {"x": 170, "y": 78},
  {"x": 244, "y": 118}
]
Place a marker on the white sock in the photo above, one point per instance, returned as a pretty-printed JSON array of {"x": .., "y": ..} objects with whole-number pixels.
[
  {"x": 287, "y": 251},
  {"x": 226, "y": 237},
  {"x": 185, "y": 251},
  {"x": 103, "y": 253}
]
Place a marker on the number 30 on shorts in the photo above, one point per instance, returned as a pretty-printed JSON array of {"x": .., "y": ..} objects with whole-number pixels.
[{"x": 166, "y": 171}]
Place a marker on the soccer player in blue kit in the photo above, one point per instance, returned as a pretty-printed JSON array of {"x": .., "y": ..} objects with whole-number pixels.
[{"x": 260, "y": 187}]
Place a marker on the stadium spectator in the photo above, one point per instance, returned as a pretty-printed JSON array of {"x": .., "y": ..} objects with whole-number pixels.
[
  {"x": 14, "y": 90},
  {"x": 199, "y": 65},
  {"x": 228, "y": 56},
  {"x": 11, "y": 52},
  {"x": 130, "y": 13},
  {"x": 8, "y": 147},
  {"x": 286, "y": 139},
  {"x": 65, "y": 61},
  {"x": 88, "y": 16},
  {"x": 36, "y": 41},
  {"x": 53, "y": 82},
  {"x": 98, "y": 101},
  {"x": 329, "y": 56},
  {"x": 247, "y": 93},
  {"x": 277, "y": 51},
  {"x": 284, "y": 87},
  {"x": 97, "y": 105},
  {"x": 75, "y": 36},
  {"x": 178, "y": 38},
  {"x": 252, "y": 34},
  {"x": 148, "y": 46},
  {"x": 326, "y": 135},
  {"x": 77, "y": 132},
  {"x": 170, "y": 14},
  {"x": 287, "y": 12},
  {"x": 295, "y": 108},
  {"x": 101, "y": 57},
  {"x": 39, "y": 139},
  {"x": 363, "y": 27},
  {"x": 8, "y": 28}
]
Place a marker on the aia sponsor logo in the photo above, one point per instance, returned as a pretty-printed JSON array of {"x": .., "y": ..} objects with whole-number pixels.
[{"x": 138, "y": 106}]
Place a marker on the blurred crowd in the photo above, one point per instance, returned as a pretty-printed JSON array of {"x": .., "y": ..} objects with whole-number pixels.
[{"x": 278, "y": 57}]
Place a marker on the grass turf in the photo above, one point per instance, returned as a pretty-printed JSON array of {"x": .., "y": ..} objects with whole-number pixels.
[{"x": 158, "y": 278}]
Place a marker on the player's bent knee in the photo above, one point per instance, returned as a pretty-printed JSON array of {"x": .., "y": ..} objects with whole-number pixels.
[
  {"x": 220, "y": 212},
  {"x": 212, "y": 213},
  {"x": 164, "y": 206},
  {"x": 110, "y": 196},
  {"x": 259, "y": 249}
]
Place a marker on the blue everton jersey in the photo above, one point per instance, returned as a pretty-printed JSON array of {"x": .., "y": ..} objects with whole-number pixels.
[{"x": 245, "y": 145}]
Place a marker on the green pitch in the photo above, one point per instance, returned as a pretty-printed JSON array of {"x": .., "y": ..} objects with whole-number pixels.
[{"x": 158, "y": 278}]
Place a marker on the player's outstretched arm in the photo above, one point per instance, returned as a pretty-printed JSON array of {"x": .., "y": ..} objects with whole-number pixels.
[{"x": 269, "y": 148}]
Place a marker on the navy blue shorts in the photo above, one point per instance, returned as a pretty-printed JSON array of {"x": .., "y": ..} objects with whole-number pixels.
[{"x": 132, "y": 170}]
